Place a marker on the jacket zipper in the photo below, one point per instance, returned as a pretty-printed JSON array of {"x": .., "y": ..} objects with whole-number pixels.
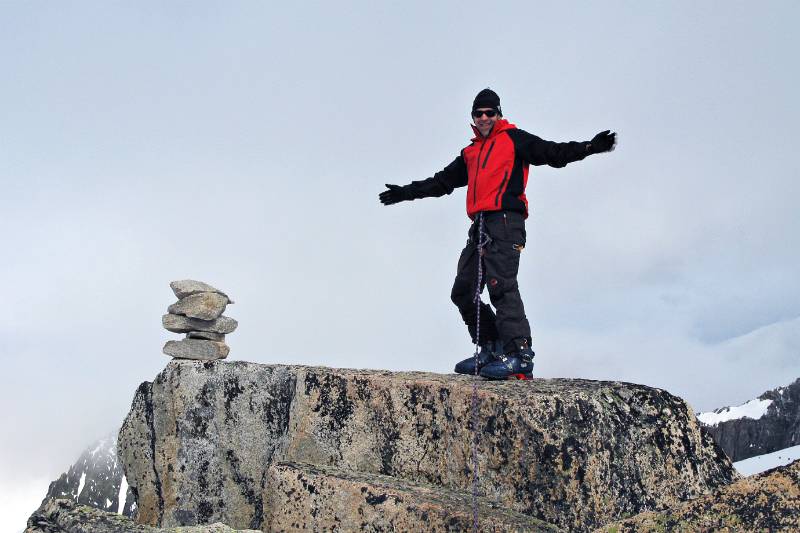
[
  {"x": 491, "y": 147},
  {"x": 500, "y": 191},
  {"x": 477, "y": 169}
]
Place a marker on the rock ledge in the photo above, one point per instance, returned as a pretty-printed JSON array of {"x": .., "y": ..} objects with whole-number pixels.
[
  {"x": 769, "y": 501},
  {"x": 199, "y": 441},
  {"x": 66, "y": 516}
]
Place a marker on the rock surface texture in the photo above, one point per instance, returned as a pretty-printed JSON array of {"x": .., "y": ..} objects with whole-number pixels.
[
  {"x": 769, "y": 501},
  {"x": 334, "y": 499},
  {"x": 778, "y": 428},
  {"x": 199, "y": 440},
  {"x": 66, "y": 516},
  {"x": 198, "y": 313},
  {"x": 183, "y": 324},
  {"x": 187, "y": 287},
  {"x": 203, "y": 306},
  {"x": 190, "y": 348}
]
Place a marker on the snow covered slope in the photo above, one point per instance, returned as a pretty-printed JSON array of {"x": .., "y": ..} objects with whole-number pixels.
[
  {"x": 754, "y": 409},
  {"x": 761, "y": 463},
  {"x": 96, "y": 479},
  {"x": 763, "y": 425}
]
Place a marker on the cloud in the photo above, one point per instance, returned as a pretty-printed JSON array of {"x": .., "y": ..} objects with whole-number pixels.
[
  {"x": 707, "y": 375},
  {"x": 19, "y": 497}
]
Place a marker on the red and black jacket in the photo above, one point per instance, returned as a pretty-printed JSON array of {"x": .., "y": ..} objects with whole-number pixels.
[{"x": 495, "y": 168}]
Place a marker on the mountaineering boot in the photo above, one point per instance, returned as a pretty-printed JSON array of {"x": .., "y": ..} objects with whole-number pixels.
[
  {"x": 516, "y": 364},
  {"x": 489, "y": 352}
]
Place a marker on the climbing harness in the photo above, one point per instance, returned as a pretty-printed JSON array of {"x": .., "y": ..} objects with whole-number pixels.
[{"x": 482, "y": 241}]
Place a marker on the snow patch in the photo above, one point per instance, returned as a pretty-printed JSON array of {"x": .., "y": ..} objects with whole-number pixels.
[
  {"x": 760, "y": 463},
  {"x": 80, "y": 486},
  {"x": 754, "y": 409},
  {"x": 123, "y": 493}
]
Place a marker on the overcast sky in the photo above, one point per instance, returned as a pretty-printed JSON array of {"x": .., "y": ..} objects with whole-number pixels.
[{"x": 245, "y": 143}]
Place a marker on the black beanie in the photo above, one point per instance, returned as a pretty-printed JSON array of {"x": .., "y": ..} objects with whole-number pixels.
[{"x": 487, "y": 98}]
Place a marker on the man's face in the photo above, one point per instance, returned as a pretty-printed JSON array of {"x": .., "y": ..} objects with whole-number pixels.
[{"x": 483, "y": 121}]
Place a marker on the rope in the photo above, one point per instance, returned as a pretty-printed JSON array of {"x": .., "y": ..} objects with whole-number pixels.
[{"x": 482, "y": 241}]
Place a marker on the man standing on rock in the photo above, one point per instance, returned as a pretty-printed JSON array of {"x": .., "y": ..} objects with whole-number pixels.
[{"x": 494, "y": 167}]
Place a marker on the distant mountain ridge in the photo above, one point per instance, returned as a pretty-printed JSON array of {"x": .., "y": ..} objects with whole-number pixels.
[
  {"x": 97, "y": 480},
  {"x": 763, "y": 425}
]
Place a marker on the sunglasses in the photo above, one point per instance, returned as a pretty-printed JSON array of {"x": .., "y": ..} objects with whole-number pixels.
[{"x": 490, "y": 113}]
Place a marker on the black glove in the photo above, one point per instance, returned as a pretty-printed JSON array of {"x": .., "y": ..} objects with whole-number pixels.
[
  {"x": 393, "y": 195},
  {"x": 605, "y": 141}
]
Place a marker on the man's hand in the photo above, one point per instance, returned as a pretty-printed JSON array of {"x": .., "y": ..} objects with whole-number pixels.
[
  {"x": 393, "y": 195},
  {"x": 605, "y": 141}
]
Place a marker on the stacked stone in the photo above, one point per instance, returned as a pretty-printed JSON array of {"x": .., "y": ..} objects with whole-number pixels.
[{"x": 198, "y": 314}]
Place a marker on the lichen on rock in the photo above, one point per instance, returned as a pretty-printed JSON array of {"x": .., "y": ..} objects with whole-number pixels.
[
  {"x": 333, "y": 499},
  {"x": 66, "y": 516},
  {"x": 769, "y": 501}
]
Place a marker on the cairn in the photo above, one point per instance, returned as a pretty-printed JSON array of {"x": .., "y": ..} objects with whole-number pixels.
[{"x": 198, "y": 314}]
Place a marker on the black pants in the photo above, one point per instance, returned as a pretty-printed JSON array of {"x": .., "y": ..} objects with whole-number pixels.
[{"x": 506, "y": 231}]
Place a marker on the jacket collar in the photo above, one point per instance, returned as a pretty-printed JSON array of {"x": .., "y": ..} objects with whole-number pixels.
[{"x": 500, "y": 126}]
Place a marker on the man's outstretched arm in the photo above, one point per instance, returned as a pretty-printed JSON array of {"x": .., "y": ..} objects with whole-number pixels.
[
  {"x": 443, "y": 182},
  {"x": 537, "y": 151}
]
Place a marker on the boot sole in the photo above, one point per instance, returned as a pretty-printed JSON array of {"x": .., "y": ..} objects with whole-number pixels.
[{"x": 511, "y": 377}]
